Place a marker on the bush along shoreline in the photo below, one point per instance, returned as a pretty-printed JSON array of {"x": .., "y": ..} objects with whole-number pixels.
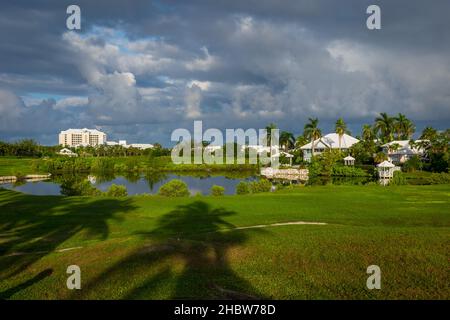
[{"x": 129, "y": 164}]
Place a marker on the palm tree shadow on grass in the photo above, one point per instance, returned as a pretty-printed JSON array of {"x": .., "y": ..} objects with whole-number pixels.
[
  {"x": 197, "y": 239},
  {"x": 28, "y": 283},
  {"x": 30, "y": 230}
]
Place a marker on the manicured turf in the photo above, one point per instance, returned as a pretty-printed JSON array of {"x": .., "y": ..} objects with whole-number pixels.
[
  {"x": 155, "y": 248},
  {"x": 10, "y": 166}
]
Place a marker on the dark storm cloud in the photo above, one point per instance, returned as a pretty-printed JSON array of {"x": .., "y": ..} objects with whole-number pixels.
[{"x": 142, "y": 68}]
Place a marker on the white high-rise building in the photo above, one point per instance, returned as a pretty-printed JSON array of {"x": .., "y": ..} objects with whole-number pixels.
[{"x": 81, "y": 137}]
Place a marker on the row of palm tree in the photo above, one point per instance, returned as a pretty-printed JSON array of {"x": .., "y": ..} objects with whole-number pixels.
[
  {"x": 384, "y": 129},
  {"x": 388, "y": 128}
]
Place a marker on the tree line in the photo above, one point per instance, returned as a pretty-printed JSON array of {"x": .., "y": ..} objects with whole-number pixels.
[{"x": 30, "y": 148}]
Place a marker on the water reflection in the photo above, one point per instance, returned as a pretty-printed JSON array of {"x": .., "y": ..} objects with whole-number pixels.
[
  {"x": 136, "y": 183},
  {"x": 151, "y": 181}
]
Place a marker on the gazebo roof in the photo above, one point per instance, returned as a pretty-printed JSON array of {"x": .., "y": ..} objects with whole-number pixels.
[
  {"x": 287, "y": 155},
  {"x": 282, "y": 153},
  {"x": 385, "y": 164},
  {"x": 349, "y": 158}
]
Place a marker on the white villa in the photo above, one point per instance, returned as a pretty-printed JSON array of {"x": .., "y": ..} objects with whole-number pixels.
[
  {"x": 399, "y": 151},
  {"x": 329, "y": 141}
]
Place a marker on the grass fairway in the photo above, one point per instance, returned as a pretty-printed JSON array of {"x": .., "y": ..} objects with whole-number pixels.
[
  {"x": 156, "y": 248},
  {"x": 10, "y": 166}
]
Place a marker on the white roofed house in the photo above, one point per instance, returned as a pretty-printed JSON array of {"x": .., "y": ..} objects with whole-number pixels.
[
  {"x": 400, "y": 151},
  {"x": 67, "y": 152},
  {"x": 329, "y": 141}
]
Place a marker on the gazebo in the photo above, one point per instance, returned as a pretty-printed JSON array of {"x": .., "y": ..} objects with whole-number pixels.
[
  {"x": 349, "y": 161},
  {"x": 287, "y": 155},
  {"x": 386, "y": 170}
]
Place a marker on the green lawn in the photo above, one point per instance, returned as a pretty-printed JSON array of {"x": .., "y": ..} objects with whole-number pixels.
[
  {"x": 149, "y": 247},
  {"x": 10, "y": 166}
]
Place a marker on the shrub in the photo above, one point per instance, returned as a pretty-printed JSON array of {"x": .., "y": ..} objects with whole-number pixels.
[
  {"x": 19, "y": 175},
  {"x": 174, "y": 188},
  {"x": 427, "y": 178},
  {"x": 217, "y": 190},
  {"x": 413, "y": 164},
  {"x": 439, "y": 178},
  {"x": 348, "y": 171},
  {"x": 117, "y": 191},
  {"x": 120, "y": 167},
  {"x": 398, "y": 179},
  {"x": 262, "y": 185},
  {"x": 242, "y": 188}
]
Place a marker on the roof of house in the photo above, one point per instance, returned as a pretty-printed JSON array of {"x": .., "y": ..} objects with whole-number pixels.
[
  {"x": 404, "y": 147},
  {"x": 282, "y": 153},
  {"x": 349, "y": 158},
  {"x": 385, "y": 164},
  {"x": 401, "y": 143},
  {"x": 331, "y": 140}
]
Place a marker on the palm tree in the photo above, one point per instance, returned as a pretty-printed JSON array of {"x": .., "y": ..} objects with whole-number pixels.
[
  {"x": 367, "y": 133},
  {"x": 380, "y": 157},
  {"x": 269, "y": 132},
  {"x": 408, "y": 129},
  {"x": 429, "y": 133},
  {"x": 312, "y": 132},
  {"x": 340, "y": 129},
  {"x": 403, "y": 127},
  {"x": 300, "y": 141},
  {"x": 384, "y": 125},
  {"x": 394, "y": 147},
  {"x": 287, "y": 140}
]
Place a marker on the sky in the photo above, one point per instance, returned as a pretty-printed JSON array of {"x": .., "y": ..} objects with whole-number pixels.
[{"x": 137, "y": 70}]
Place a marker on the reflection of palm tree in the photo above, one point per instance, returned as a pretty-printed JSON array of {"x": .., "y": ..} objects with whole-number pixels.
[{"x": 153, "y": 177}]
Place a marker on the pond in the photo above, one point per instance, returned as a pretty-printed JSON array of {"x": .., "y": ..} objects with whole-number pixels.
[
  {"x": 198, "y": 182},
  {"x": 137, "y": 183}
]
